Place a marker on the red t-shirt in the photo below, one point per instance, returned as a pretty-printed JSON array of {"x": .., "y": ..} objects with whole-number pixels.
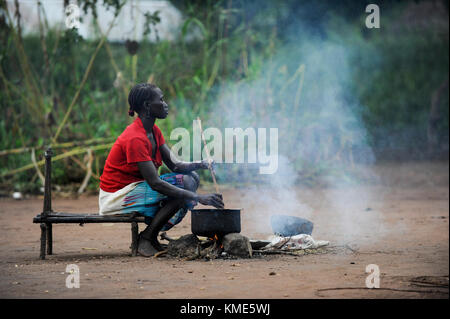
[{"x": 131, "y": 146}]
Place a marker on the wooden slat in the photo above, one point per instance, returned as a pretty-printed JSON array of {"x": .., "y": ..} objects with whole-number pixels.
[{"x": 60, "y": 218}]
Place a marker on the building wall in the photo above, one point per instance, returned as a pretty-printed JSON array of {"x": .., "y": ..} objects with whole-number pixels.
[{"x": 129, "y": 24}]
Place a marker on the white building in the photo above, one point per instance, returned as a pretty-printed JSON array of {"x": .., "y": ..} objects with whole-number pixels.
[{"x": 128, "y": 25}]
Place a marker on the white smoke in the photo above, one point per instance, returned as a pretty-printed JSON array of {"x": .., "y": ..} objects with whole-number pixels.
[{"x": 320, "y": 131}]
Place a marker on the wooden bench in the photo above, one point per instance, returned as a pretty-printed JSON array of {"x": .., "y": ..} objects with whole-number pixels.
[{"x": 48, "y": 217}]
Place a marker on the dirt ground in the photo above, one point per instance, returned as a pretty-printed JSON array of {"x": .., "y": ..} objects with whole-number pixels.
[{"x": 402, "y": 227}]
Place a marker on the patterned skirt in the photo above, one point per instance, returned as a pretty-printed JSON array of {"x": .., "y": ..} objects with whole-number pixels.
[{"x": 139, "y": 197}]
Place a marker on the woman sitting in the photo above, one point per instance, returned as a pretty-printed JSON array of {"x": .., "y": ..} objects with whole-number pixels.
[{"x": 130, "y": 181}]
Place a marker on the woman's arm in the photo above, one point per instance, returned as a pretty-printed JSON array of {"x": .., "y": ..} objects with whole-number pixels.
[
  {"x": 177, "y": 166},
  {"x": 150, "y": 174}
]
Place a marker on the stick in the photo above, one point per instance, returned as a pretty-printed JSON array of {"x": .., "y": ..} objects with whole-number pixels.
[
  {"x": 72, "y": 152},
  {"x": 38, "y": 171},
  {"x": 426, "y": 285},
  {"x": 88, "y": 172},
  {"x": 58, "y": 145},
  {"x": 163, "y": 235},
  {"x": 159, "y": 253},
  {"x": 83, "y": 82},
  {"x": 275, "y": 252},
  {"x": 83, "y": 167},
  {"x": 389, "y": 289},
  {"x": 207, "y": 154}
]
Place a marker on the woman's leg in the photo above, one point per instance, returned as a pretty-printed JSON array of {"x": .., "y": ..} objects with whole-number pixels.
[{"x": 148, "y": 242}]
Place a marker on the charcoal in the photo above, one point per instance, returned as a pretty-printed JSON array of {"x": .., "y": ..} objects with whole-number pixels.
[{"x": 185, "y": 246}]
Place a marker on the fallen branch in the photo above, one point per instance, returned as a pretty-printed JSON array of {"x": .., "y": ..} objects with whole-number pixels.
[
  {"x": 38, "y": 171},
  {"x": 387, "y": 289},
  {"x": 428, "y": 285},
  {"x": 88, "y": 172},
  {"x": 429, "y": 282},
  {"x": 275, "y": 252},
  {"x": 82, "y": 166},
  {"x": 353, "y": 250},
  {"x": 75, "y": 151},
  {"x": 58, "y": 145}
]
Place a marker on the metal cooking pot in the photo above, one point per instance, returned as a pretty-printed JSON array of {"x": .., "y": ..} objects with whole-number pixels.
[{"x": 210, "y": 222}]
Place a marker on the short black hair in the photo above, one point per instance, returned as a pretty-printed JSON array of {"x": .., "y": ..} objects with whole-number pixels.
[{"x": 138, "y": 95}]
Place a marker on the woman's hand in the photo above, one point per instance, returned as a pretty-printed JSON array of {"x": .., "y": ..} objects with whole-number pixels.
[
  {"x": 178, "y": 166},
  {"x": 204, "y": 164},
  {"x": 215, "y": 200}
]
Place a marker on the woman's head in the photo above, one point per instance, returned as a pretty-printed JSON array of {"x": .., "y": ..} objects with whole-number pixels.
[{"x": 147, "y": 100}]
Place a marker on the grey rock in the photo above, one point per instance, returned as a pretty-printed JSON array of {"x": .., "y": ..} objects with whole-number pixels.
[{"x": 237, "y": 245}]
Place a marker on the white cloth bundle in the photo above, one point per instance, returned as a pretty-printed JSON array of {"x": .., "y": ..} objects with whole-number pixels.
[{"x": 302, "y": 241}]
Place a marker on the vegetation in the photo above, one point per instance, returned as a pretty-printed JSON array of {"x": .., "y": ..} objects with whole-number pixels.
[{"x": 277, "y": 61}]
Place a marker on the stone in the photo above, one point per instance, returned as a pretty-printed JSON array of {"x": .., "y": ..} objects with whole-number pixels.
[
  {"x": 237, "y": 245},
  {"x": 185, "y": 246}
]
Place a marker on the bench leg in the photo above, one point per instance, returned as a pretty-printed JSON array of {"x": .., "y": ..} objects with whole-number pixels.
[
  {"x": 134, "y": 238},
  {"x": 49, "y": 239},
  {"x": 43, "y": 240}
]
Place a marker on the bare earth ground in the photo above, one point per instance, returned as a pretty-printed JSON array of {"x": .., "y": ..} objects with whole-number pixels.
[{"x": 406, "y": 235}]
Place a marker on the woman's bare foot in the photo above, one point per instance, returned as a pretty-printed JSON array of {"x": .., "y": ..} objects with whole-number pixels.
[
  {"x": 155, "y": 243},
  {"x": 145, "y": 247}
]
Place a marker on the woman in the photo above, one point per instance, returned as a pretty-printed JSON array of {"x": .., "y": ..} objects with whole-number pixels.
[{"x": 130, "y": 181}]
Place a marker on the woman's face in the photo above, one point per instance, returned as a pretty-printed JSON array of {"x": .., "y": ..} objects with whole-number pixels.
[{"x": 158, "y": 108}]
